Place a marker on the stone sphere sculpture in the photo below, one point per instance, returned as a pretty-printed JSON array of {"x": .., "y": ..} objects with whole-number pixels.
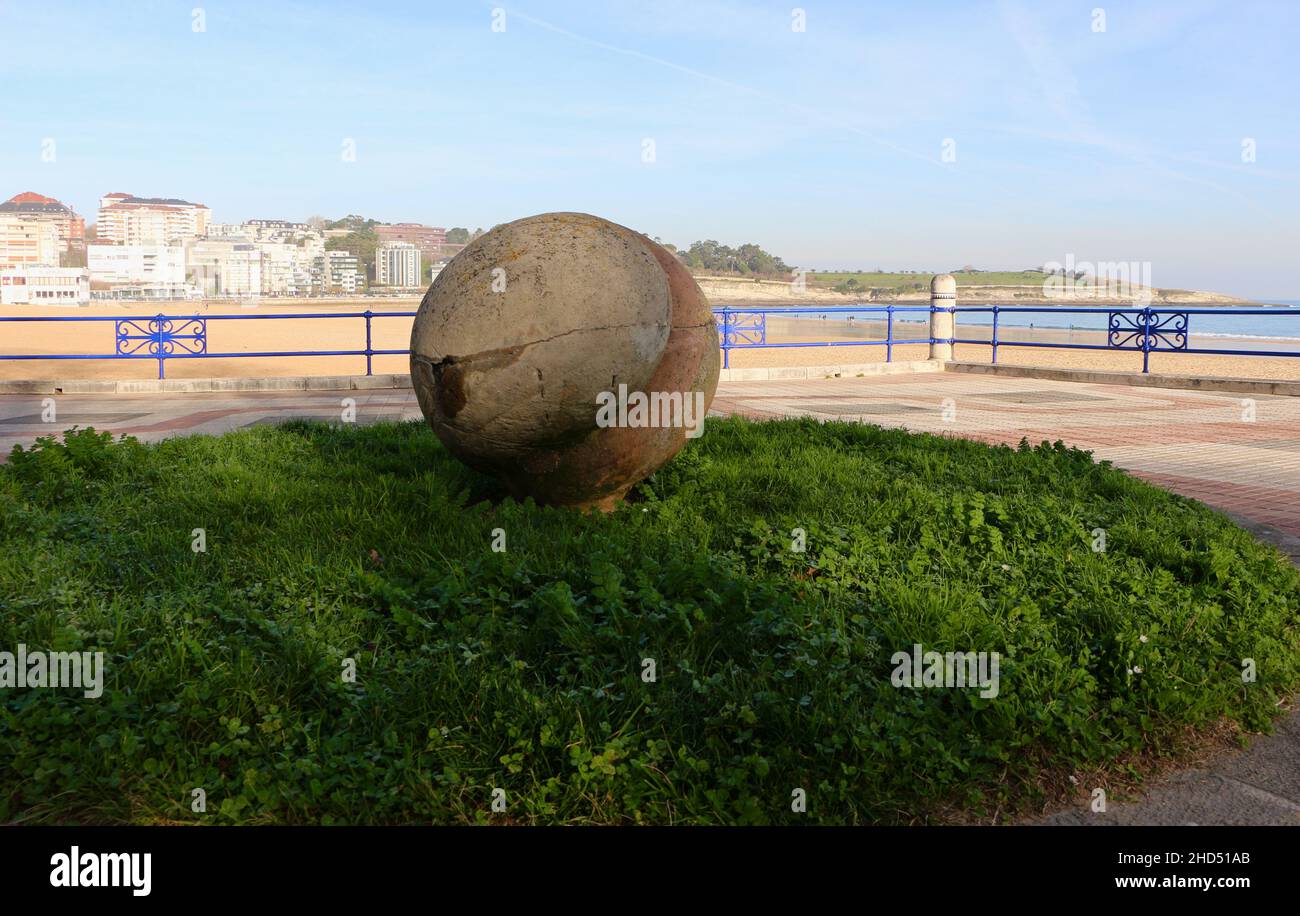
[{"x": 565, "y": 355}]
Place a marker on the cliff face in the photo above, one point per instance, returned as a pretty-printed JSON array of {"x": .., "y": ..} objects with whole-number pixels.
[{"x": 722, "y": 290}]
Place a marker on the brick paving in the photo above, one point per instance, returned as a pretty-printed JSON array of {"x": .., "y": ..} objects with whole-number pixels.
[
  {"x": 1238, "y": 454},
  {"x": 151, "y": 417}
]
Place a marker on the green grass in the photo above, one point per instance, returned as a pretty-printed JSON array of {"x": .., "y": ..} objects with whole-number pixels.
[
  {"x": 903, "y": 282},
  {"x": 521, "y": 670}
]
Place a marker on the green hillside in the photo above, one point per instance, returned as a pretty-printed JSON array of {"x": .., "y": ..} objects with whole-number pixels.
[{"x": 848, "y": 281}]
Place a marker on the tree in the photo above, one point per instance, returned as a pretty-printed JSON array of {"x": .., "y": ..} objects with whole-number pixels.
[
  {"x": 458, "y": 236},
  {"x": 359, "y": 242},
  {"x": 747, "y": 259},
  {"x": 352, "y": 222}
]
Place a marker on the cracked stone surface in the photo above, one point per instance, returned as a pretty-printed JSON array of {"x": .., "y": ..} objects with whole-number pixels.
[{"x": 523, "y": 330}]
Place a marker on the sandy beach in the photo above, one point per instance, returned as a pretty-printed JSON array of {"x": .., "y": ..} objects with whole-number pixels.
[{"x": 251, "y": 334}]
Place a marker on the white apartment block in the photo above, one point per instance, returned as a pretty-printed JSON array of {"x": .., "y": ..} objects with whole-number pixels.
[
  {"x": 268, "y": 228},
  {"x": 258, "y": 230},
  {"x": 136, "y": 265},
  {"x": 339, "y": 272},
  {"x": 29, "y": 284},
  {"x": 286, "y": 268},
  {"x": 28, "y": 241},
  {"x": 130, "y": 220},
  {"x": 224, "y": 267},
  {"x": 228, "y": 231},
  {"x": 397, "y": 264}
]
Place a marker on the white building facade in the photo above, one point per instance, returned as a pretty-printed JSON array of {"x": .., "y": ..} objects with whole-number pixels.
[
  {"x": 339, "y": 272},
  {"x": 29, "y": 284},
  {"x": 130, "y": 220},
  {"x": 224, "y": 267},
  {"x": 397, "y": 264},
  {"x": 119, "y": 265},
  {"x": 27, "y": 241}
]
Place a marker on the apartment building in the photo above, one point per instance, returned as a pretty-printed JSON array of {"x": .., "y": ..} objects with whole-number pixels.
[
  {"x": 130, "y": 220},
  {"x": 429, "y": 239},
  {"x": 286, "y": 268},
  {"x": 27, "y": 241},
  {"x": 289, "y": 252},
  {"x": 224, "y": 267},
  {"x": 229, "y": 231},
  {"x": 338, "y": 272},
  {"x": 136, "y": 265},
  {"x": 29, "y": 284},
  {"x": 35, "y": 207},
  {"x": 397, "y": 264},
  {"x": 265, "y": 227}
]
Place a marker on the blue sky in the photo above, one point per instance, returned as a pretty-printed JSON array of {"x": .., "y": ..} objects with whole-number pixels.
[{"x": 824, "y": 146}]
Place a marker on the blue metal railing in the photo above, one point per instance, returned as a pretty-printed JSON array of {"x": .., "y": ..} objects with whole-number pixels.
[
  {"x": 164, "y": 337},
  {"x": 1147, "y": 330},
  {"x": 746, "y": 328}
]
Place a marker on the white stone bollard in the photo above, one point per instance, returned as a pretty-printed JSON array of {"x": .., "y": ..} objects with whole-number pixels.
[{"x": 943, "y": 296}]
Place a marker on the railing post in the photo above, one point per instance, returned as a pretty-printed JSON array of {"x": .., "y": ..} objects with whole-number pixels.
[
  {"x": 726, "y": 337},
  {"x": 1146, "y": 340},
  {"x": 995, "y": 335},
  {"x": 368, "y": 348},
  {"x": 889, "y": 333},
  {"x": 159, "y": 322},
  {"x": 943, "y": 320}
]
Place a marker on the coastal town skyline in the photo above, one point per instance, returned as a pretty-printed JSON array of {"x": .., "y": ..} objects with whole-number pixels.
[
  {"x": 163, "y": 248},
  {"x": 838, "y": 137}
]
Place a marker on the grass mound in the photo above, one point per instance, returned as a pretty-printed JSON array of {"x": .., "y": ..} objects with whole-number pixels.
[{"x": 525, "y": 669}]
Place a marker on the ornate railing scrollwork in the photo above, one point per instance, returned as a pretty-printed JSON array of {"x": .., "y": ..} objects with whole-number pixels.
[
  {"x": 745, "y": 328},
  {"x": 1147, "y": 330},
  {"x": 162, "y": 336}
]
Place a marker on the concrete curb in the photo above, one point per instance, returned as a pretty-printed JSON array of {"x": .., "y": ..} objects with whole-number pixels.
[
  {"x": 772, "y": 374},
  {"x": 1136, "y": 379},
  {"x": 200, "y": 385}
]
